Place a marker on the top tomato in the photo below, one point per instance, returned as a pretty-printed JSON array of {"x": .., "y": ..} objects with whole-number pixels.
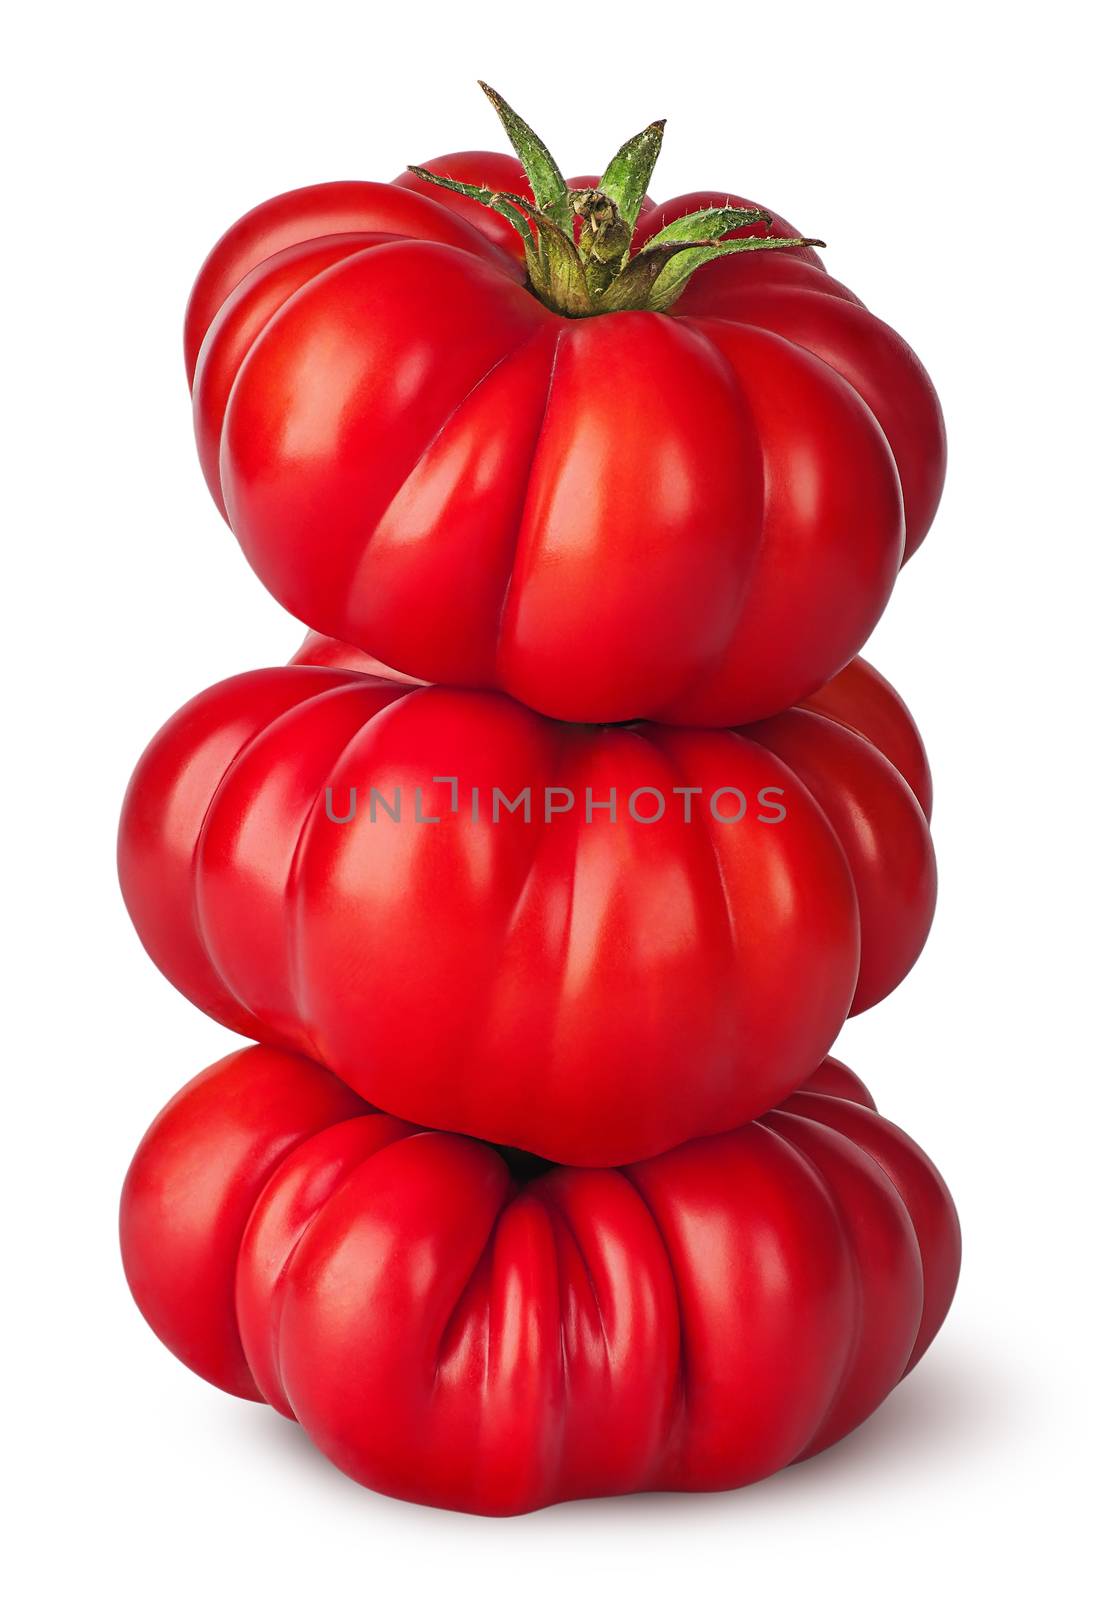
[{"x": 513, "y": 443}]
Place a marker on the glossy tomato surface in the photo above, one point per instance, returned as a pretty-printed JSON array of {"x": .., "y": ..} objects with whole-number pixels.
[
  {"x": 457, "y": 1327},
  {"x": 592, "y": 943},
  {"x": 858, "y": 697},
  {"x": 694, "y": 516}
]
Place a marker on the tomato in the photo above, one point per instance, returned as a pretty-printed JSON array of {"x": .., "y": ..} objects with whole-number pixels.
[
  {"x": 464, "y": 1328},
  {"x": 858, "y": 697},
  {"x": 694, "y": 515},
  {"x": 589, "y": 942}
]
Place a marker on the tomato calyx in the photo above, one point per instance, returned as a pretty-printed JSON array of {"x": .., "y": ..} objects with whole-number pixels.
[{"x": 578, "y": 242}]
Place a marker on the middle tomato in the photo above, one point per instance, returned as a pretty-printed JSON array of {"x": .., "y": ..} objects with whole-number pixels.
[{"x": 591, "y": 942}]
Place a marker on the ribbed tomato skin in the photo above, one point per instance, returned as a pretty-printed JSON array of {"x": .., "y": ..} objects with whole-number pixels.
[
  {"x": 454, "y": 1330},
  {"x": 694, "y": 517},
  {"x": 594, "y": 989}
]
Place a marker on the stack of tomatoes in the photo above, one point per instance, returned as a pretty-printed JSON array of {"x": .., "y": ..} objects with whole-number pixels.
[{"x": 538, "y": 1181}]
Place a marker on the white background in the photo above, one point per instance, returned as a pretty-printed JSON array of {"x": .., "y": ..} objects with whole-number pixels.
[{"x": 942, "y": 150}]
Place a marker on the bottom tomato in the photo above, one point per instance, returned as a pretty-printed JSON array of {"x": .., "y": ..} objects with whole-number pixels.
[{"x": 475, "y": 1328}]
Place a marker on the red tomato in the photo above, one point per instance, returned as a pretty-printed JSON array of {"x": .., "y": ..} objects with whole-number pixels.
[
  {"x": 330, "y": 862},
  {"x": 459, "y": 1327},
  {"x": 695, "y": 516},
  {"x": 858, "y": 697}
]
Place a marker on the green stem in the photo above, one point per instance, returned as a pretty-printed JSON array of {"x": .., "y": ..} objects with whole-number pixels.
[
  {"x": 670, "y": 282},
  {"x": 549, "y": 188},
  {"x": 710, "y": 224},
  {"x": 599, "y": 273},
  {"x": 626, "y": 177}
]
